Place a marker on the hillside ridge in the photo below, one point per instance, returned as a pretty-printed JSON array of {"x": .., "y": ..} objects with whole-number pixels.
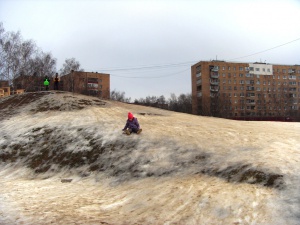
[{"x": 95, "y": 147}]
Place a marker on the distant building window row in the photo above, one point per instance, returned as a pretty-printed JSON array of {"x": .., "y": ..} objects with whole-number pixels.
[
  {"x": 257, "y": 69},
  {"x": 258, "y": 82},
  {"x": 249, "y": 75}
]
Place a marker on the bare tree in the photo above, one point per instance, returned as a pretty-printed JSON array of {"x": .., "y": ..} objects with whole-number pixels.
[
  {"x": 22, "y": 58},
  {"x": 69, "y": 65},
  {"x": 119, "y": 96},
  {"x": 10, "y": 48},
  {"x": 185, "y": 103}
]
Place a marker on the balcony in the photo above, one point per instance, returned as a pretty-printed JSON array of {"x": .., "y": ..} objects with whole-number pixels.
[
  {"x": 214, "y": 75},
  {"x": 199, "y": 94},
  {"x": 214, "y": 82},
  {"x": 199, "y": 82},
  {"x": 214, "y": 89},
  {"x": 291, "y": 71},
  {"x": 198, "y": 74},
  {"x": 215, "y": 69}
]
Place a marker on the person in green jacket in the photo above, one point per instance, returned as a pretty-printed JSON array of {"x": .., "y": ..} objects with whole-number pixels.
[{"x": 46, "y": 83}]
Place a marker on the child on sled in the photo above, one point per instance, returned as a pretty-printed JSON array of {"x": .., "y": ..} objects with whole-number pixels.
[{"x": 132, "y": 125}]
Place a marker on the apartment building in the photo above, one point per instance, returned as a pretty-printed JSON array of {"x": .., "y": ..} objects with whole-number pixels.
[
  {"x": 88, "y": 83},
  {"x": 245, "y": 90}
]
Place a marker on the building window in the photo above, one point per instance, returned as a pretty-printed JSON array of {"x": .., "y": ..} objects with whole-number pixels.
[
  {"x": 251, "y": 94},
  {"x": 241, "y": 68},
  {"x": 241, "y": 82},
  {"x": 257, "y": 69},
  {"x": 251, "y": 101},
  {"x": 284, "y": 70},
  {"x": 223, "y": 75}
]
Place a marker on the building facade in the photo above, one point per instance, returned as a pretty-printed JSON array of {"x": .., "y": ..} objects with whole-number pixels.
[
  {"x": 5, "y": 89},
  {"x": 88, "y": 83},
  {"x": 245, "y": 90}
]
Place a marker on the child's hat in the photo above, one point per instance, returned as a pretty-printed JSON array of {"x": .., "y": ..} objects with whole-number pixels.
[{"x": 130, "y": 116}]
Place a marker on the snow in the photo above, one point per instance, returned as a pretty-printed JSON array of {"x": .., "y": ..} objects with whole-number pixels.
[{"x": 181, "y": 169}]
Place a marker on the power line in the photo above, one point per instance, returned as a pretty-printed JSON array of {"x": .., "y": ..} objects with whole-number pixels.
[
  {"x": 148, "y": 66},
  {"x": 266, "y": 50},
  {"x": 139, "y": 69},
  {"x": 150, "y": 77}
]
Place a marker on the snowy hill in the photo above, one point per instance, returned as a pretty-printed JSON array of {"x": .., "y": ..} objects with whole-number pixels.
[{"x": 64, "y": 160}]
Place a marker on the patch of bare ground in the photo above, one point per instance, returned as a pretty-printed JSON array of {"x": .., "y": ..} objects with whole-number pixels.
[
  {"x": 44, "y": 152},
  {"x": 59, "y": 101}
]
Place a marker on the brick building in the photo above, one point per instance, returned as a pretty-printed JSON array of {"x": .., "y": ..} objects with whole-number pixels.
[
  {"x": 88, "y": 83},
  {"x": 245, "y": 90},
  {"x": 30, "y": 83},
  {"x": 4, "y": 88}
]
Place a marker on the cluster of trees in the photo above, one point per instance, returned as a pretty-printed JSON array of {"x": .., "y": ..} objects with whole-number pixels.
[
  {"x": 181, "y": 103},
  {"x": 23, "y": 57}
]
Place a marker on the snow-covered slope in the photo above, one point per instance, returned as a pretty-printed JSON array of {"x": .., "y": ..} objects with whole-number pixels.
[{"x": 64, "y": 160}]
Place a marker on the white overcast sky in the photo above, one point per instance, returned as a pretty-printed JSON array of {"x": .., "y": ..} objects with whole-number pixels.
[{"x": 160, "y": 39}]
